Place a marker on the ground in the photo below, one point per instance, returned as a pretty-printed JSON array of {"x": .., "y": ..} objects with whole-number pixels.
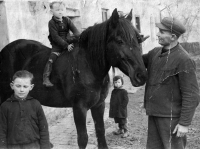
[{"x": 137, "y": 125}]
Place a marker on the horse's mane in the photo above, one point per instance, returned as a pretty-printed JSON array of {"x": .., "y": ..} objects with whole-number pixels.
[{"x": 94, "y": 39}]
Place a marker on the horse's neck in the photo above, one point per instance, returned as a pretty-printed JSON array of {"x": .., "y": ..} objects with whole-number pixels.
[{"x": 98, "y": 71}]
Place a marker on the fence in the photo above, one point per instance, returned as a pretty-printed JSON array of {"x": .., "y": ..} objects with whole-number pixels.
[{"x": 193, "y": 48}]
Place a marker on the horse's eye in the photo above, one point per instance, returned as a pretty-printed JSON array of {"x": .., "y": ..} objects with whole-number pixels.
[
  {"x": 119, "y": 41},
  {"x": 123, "y": 59}
]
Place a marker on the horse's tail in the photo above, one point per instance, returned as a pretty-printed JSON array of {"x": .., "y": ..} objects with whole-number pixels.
[
  {"x": 1, "y": 75},
  {"x": 1, "y": 57}
]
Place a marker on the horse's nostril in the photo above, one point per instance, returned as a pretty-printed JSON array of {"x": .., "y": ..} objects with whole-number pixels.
[
  {"x": 140, "y": 78},
  {"x": 138, "y": 75}
]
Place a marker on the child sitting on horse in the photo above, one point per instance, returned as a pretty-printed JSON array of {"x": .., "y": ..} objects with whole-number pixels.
[
  {"x": 118, "y": 106},
  {"x": 23, "y": 124},
  {"x": 59, "y": 27}
]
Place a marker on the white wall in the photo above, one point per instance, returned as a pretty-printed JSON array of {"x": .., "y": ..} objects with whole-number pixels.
[
  {"x": 3, "y": 26},
  {"x": 29, "y": 19},
  {"x": 91, "y": 13}
]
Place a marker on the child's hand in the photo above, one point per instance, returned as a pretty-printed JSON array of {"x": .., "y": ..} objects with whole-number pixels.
[
  {"x": 70, "y": 47},
  {"x": 181, "y": 130}
]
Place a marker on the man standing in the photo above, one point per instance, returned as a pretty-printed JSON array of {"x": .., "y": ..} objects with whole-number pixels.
[{"x": 171, "y": 92}]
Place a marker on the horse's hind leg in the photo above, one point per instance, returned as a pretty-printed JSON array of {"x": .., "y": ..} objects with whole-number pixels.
[
  {"x": 97, "y": 114},
  {"x": 80, "y": 122}
]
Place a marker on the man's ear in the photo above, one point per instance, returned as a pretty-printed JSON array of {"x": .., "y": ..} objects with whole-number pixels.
[
  {"x": 11, "y": 85},
  {"x": 32, "y": 85},
  {"x": 51, "y": 11},
  {"x": 174, "y": 37}
]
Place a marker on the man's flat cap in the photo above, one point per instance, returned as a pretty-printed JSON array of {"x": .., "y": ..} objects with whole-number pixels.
[{"x": 171, "y": 24}]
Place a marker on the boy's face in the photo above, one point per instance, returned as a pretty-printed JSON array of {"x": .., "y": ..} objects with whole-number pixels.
[
  {"x": 118, "y": 83},
  {"x": 21, "y": 87},
  {"x": 57, "y": 10}
]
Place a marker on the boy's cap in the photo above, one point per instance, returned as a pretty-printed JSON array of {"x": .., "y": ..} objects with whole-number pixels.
[{"x": 171, "y": 24}]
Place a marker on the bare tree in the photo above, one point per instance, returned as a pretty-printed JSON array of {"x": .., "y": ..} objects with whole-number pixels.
[{"x": 189, "y": 13}]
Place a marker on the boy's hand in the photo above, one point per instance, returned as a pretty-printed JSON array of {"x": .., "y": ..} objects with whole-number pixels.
[
  {"x": 70, "y": 47},
  {"x": 181, "y": 130}
]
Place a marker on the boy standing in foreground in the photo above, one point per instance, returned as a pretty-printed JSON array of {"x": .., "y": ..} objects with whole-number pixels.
[
  {"x": 23, "y": 124},
  {"x": 59, "y": 27}
]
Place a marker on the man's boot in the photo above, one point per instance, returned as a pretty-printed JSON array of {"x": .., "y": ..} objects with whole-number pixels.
[{"x": 46, "y": 74}]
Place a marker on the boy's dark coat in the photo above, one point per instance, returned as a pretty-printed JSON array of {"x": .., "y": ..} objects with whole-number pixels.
[
  {"x": 118, "y": 103},
  {"x": 22, "y": 122},
  {"x": 59, "y": 32}
]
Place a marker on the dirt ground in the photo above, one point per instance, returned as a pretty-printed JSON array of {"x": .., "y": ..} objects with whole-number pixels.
[{"x": 137, "y": 125}]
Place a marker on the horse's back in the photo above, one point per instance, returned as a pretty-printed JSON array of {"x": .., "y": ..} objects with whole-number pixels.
[
  {"x": 71, "y": 75},
  {"x": 17, "y": 55},
  {"x": 20, "y": 51},
  {"x": 32, "y": 56}
]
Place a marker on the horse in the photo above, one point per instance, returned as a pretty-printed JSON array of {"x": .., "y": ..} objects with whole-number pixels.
[{"x": 80, "y": 77}]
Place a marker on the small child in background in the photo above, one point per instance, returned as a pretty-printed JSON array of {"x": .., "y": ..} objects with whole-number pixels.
[
  {"x": 23, "y": 124},
  {"x": 118, "y": 106}
]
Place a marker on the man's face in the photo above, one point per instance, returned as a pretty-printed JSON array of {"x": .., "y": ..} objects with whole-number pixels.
[
  {"x": 57, "y": 10},
  {"x": 164, "y": 37},
  {"x": 21, "y": 87}
]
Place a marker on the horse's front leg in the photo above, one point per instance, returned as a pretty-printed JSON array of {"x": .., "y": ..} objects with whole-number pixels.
[
  {"x": 80, "y": 113},
  {"x": 97, "y": 114}
]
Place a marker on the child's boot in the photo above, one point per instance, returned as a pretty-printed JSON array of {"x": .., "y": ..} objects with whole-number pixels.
[
  {"x": 46, "y": 74},
  {"x": 126, "y": 134},
  {"x": 118, "y": 132}
]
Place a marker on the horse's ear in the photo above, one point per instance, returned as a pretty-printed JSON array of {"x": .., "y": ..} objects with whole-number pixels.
[
  {"x": 129, "y": 17},
  {"x": 114, "y": 19}
]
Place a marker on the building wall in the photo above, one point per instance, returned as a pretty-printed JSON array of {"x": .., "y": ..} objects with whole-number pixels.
[
  {"x": 149, "y": 14},
  {"x": 31, "y": 18},
  {"x": 28, "y": 20},
  {"x": 3, "y": 26}
]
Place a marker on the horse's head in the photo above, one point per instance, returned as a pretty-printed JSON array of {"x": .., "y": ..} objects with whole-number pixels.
[
  {"x": 114, "y": 43},
  {"x": 123, "y": 48}
]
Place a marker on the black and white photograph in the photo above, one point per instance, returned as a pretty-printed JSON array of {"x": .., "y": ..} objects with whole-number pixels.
[{"x": 99, "y": 74}]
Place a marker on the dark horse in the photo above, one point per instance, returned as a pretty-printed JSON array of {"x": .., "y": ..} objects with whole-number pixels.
[{"x": 80, "y": 77}]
